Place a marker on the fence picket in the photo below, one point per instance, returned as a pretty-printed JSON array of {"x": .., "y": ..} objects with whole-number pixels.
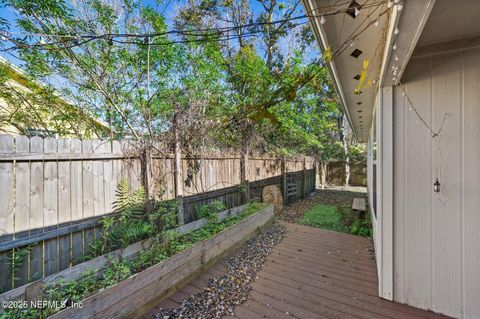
[
  {"x": 64, "y": 205},
  {"x": 88, "y": 196},
  {"x": 50, "y": 208},
  {"x": 36, "y": 210},
  {"x": 6, "y": 209},
  {"x": 76, "y": 201},
  {"x": 51, "y": 184},
  {"x": 22, "y": 207}
]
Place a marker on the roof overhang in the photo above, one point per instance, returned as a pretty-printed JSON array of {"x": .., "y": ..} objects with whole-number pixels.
[
  {"x": 346, "y": 33},
  {"x": 410, "y": 24}
]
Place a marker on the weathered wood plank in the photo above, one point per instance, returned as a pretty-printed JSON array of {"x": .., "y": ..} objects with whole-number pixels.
[
  {"x": 36, "y": 210},
  {"x": 54, "y": 157},
  {"x": 76, "y": 201},
  {"x": 64, "y": 205},
  {"x": 22, "y": 206},
  {"x": 359, "y": 204},
  {"x": 6, "y": 209},
  {"x": 88, "y": 197},
  {"x": 131, "y": 294},
  {"x": 50, "y": 208},
  {"x": 6, "y": 188}
]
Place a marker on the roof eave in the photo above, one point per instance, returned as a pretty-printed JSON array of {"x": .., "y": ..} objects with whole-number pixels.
[{"x": 321, "y": 38}]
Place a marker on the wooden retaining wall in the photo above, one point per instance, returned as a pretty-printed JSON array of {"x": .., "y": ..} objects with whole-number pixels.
[
  {"x": 53, "y": 193},
  {"x": 33, "y": 290},
  {"x": 130, "y": 295}
]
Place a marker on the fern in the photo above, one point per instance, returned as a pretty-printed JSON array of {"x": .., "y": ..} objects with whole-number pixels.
[{"x": 130, "y": 205}]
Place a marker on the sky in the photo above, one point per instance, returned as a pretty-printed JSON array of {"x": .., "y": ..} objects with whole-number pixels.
[{"x": 169, "y": 8}]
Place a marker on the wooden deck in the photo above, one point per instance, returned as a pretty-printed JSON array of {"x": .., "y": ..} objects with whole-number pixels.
[{"x": 312, "y": 273}]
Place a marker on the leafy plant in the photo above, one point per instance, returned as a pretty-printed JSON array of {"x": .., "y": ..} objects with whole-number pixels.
[
  {"x": 130, "y": 205},
  {"x": 353, "y": 223},
  {"x": 164, "y": 216},
  {"x": 118, "y": 270},
  {"x": 17, "y": 258},
  {"x": 210, "y": 211}
]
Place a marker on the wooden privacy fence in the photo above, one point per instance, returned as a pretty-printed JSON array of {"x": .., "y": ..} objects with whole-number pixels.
[
  {"x": 336, "y": 174},
  {"x": 53, "y": 192}
]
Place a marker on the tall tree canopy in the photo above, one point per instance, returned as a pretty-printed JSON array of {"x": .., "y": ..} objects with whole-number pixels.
[{"x": 232, "y": 73}]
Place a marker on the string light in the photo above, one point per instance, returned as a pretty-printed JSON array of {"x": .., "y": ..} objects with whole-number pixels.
[
  {"x": 376, "y": 23},
  {"x": 411, "y": 107},
  {"x": 396, "y": 31},
  {"x": 394, "y": 46},
  {"x": 4, "y": 36},
  {"x": 357, "y": 12},
  {"x": 322, "y": 20},
  {"x": 400, "y": 6},
  {"x": 397, "y": 1},
  {"x": 389, "y": 3}
]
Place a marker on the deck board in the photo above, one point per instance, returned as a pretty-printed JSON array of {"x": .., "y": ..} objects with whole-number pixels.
[{"x": 312, "y": 273}]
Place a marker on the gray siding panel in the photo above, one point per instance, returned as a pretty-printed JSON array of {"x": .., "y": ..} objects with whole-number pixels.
[
  {"x": 437, "y": 235},
  {"x": 471, "y": 184}
]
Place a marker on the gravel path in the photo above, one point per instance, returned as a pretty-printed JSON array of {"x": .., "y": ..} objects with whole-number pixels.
[
  {"x": 328, "y": 196},
  {"x": 224, "y": 292}
]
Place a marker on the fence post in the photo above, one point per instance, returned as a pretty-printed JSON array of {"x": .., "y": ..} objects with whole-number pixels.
[
  {"x": 244, "y": 175},
  {"x": 284, "y": 180},
  {"x": 305, "y": 188},
  {"x": 315, "y": 163},
  {"x": 178, "y": 172}
]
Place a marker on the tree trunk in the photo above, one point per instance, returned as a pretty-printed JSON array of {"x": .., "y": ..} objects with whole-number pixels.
[
  {"x": 323, "y": 168},
  {"x": 177, "y": 172},
  {"x": 244, "y": 174}
]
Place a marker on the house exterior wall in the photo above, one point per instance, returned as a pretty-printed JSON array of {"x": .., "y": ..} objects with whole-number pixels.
[
  {"x": 436, "y": 236},
  {"x": 380, "y": 188}
]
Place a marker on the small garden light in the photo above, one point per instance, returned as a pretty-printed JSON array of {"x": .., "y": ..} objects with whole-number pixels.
[{"x": 436, "y": 186}]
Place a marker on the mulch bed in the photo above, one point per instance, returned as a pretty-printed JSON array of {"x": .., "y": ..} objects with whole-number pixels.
[
  {"x": 224, "y": 292},
  {"x": 328, "y": 196}
]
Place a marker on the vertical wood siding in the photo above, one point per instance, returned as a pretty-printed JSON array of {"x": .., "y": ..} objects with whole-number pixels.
[{"x": 437, "y": 235}]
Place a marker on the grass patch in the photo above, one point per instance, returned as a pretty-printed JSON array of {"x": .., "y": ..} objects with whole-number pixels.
[
  {"x": 339, "y": 218},
  {"x": 323, "y": 216}
]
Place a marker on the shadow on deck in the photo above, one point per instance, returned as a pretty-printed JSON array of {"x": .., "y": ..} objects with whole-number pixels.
[{"x": 312, "y": 273}]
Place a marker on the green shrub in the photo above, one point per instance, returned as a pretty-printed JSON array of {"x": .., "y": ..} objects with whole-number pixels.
[{"x": 353, "y": 223}]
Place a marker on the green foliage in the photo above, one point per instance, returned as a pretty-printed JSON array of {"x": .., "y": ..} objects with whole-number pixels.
[
  {"x": 361, "y": 227},
  {"x": 130, "y": 205},
  {"x": 353, "y": 223},
  {"x": 17, "y": 258},
  {"x": 339, "y": 218},
  {"x": 210, "y": 211},
  {"x": 132, "y": 223},
  {"x": 118, "y": 270},
  {"x": 325, "y": 217},
  {"x": 241, "y": 93},
  {"x": 164, "y": 216}
]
